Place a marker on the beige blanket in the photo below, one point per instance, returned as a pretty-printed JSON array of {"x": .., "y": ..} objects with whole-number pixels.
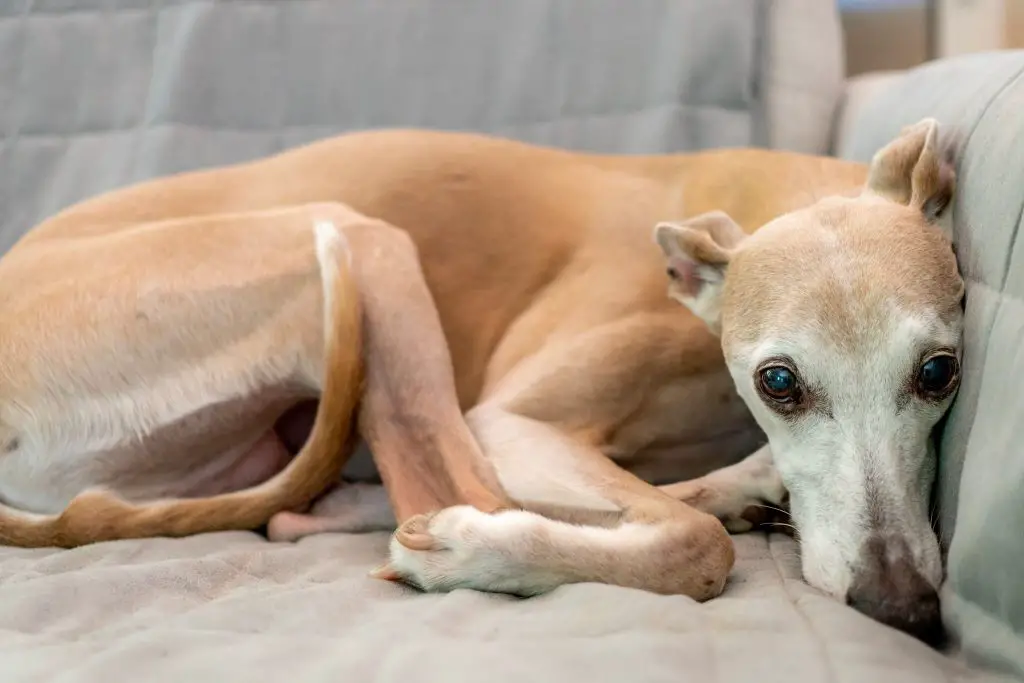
[{"x": 232, "y": 607}]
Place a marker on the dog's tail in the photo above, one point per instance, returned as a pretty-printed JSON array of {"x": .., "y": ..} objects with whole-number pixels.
[{"x": 98, "y": 515}]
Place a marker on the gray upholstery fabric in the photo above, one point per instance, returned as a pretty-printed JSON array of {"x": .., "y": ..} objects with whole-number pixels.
[
  {"x": 231, "y": 607},
  {"x": 95, "y": 94},
  {"x": 981, "y": 488}
]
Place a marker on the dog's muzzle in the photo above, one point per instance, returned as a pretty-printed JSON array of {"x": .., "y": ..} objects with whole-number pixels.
[{"x": 888, "y": 588}]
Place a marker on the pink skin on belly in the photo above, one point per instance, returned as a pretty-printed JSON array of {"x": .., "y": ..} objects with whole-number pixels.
[
  {"x": 263, "y": 460},
  {"x": 267, "y": 457}
]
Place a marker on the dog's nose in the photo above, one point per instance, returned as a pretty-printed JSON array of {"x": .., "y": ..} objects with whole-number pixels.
[
  {"x": 917, "y": 614},
  {"x": 892, "y": 591}
]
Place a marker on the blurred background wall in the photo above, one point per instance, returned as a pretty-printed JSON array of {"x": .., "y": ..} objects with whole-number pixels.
[{"x": 896, "y": 34}]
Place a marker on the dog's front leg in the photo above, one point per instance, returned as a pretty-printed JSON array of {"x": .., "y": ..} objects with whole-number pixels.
[
  {"x": 410, "y": 418},
  {"x": 596, "y": 521},
  {"x": 745, "y": 495}
]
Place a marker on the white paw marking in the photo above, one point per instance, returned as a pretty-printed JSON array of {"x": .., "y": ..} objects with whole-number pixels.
[{"x": 474, "y": 550}]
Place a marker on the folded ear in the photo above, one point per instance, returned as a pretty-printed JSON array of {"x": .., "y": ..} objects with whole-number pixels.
[
  {"x": 698, "y": 251},
  {"x": 914, "y": 170}
]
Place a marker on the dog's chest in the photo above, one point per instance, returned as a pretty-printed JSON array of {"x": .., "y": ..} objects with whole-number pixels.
[{"x": 685, "y": 429}]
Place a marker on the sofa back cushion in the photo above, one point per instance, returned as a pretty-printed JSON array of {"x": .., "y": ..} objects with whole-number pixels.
[{"x": 96, "y": 94}]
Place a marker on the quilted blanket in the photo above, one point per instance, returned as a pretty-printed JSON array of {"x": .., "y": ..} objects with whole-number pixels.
[{"x": 232, "y": 607}]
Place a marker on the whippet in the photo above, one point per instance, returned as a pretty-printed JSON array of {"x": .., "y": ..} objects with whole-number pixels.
[{"x": 491, "y": 319}]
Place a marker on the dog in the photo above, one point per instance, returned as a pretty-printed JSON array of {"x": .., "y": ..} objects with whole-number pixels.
[{"x": 568, "y": 367}]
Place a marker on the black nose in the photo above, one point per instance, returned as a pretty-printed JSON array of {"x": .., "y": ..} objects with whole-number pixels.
[
  {"x": 918, "y": 614},
  {"x": 890, "y": 590}
]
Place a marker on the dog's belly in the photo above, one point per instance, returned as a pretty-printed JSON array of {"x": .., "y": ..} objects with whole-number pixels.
[
  {"x": 215, "y": 449},
  {"x": 243, "y": 467}
]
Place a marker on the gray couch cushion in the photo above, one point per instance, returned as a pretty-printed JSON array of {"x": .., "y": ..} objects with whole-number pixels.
[
  {"x": 95, "y": 94},
  {"x": 981, "y": 488}
]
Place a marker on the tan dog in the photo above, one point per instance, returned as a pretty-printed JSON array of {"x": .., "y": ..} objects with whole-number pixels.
[{"x": 158, "y": 341}]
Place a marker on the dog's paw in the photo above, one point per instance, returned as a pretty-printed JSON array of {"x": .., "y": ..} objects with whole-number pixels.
[
  {"x": 462, "y": 547},
  {"x": 351, "y": 508},
  {"x": 751, "y": 496},
  {"x": 764, "y": 515}
]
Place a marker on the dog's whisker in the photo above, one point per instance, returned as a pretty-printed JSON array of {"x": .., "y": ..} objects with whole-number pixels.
[{"x": 772, "y": 507}]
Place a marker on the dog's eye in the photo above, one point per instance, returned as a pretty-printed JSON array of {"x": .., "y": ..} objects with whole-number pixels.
[
  {"x": 778, "y": 383},
  {"x": 938, "y": 375}
]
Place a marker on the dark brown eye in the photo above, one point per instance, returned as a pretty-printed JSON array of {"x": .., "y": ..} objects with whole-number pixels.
[
  {"x": 778, "y": 383},
  {"x": 938, "y": 375}
]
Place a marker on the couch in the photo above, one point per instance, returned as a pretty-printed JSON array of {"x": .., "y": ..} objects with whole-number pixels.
[{"x": 96, "y": 94}]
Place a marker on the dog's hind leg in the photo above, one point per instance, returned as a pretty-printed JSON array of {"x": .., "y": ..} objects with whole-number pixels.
[
  {"x": 410, "y": 415},
  {"x": 240, "y": 241}
]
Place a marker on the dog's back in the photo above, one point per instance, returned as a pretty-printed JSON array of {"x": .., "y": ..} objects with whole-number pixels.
[{"x": 517, "y": 241}]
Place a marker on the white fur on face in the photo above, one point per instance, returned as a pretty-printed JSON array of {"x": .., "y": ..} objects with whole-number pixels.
[{"x": 859, "y": 461}]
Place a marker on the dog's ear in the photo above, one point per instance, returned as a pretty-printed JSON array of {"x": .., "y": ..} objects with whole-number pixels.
[
  {"x": 914, "y": 169},
  {"x": 698, "y": 251}
]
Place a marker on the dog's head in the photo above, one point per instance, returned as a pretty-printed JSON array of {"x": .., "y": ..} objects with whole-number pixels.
[{"x": 841, "y": 325}]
